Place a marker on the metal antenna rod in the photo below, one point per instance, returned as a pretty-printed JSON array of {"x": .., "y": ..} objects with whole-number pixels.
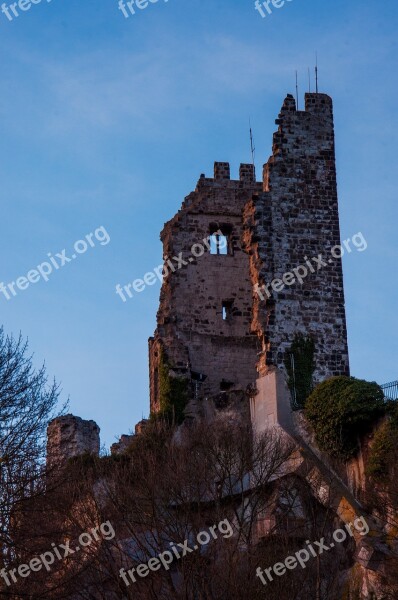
[
  {"x": 252, "y": 147},
  {"x": 297, "y": 98},
  {"x": 316, "y": 71}
]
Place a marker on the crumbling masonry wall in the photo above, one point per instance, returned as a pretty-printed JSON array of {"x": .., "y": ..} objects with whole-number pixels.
[
  {"x": 272, "y": 228},
  {"x": 70, "y": 436},
  {"x": 191, "y": 330}
]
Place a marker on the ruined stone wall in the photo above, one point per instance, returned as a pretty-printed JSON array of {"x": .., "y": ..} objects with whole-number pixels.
[
  {"x": 285, "y": 223},
  {"x": 70, "y": 436},
  {"x": 191, "y": 329},
  {"x": 122, "y": 445},
  {"x": 294, "y": 220}
]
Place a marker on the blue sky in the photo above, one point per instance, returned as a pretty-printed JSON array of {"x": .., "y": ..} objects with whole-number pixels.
[{"x": 108, "y": 121}]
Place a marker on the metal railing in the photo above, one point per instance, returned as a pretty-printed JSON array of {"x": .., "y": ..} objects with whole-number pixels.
[{"x": 390, "y": 390}]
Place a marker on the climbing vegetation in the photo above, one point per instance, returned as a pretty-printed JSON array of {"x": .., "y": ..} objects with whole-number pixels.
[
  {"x": 173, "y": 392},
  {"x": 300, "y": 366}
]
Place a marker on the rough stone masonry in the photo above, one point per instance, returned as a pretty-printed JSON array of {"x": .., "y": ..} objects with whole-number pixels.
[
  {"x": 70, "y": 436},
  {"x": 211, "y": 325}
]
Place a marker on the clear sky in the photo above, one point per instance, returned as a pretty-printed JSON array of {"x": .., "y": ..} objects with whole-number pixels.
[{"x": 109, "y": 121}]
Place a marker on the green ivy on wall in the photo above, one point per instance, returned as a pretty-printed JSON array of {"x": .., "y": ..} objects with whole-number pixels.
[
  {"x": 300, "y": 370},
  {"x": 173, "y": 392}
]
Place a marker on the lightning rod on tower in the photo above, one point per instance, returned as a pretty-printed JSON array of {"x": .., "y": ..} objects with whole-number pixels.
[{"x": 252, "y": 147}]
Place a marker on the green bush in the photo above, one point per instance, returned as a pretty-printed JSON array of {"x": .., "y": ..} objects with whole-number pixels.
[
  {"x": 382, "y": 453},
  {"x": 341, "y": 410}
]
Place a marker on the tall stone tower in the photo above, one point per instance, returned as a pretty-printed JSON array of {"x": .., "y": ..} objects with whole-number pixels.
[
  {"x": 220, "y": 322},
  {"x": 295, "y": 224}
]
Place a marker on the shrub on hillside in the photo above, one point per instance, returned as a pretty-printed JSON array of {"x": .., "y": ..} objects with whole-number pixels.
[
  {"x": 341, "y": 410},
  {"x": 383, "y": 450}
]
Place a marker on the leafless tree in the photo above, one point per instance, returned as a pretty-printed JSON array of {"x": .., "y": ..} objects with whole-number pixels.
[
  {"x": 172, "y": 485},
  {"x": 27, "y": 403}
]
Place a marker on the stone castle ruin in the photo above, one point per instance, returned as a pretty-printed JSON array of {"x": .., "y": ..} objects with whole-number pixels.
[
  {"x": 255, "y": 270},
  {"x": 220, "y": 322},
  {"x": 221, "y": 325}
]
